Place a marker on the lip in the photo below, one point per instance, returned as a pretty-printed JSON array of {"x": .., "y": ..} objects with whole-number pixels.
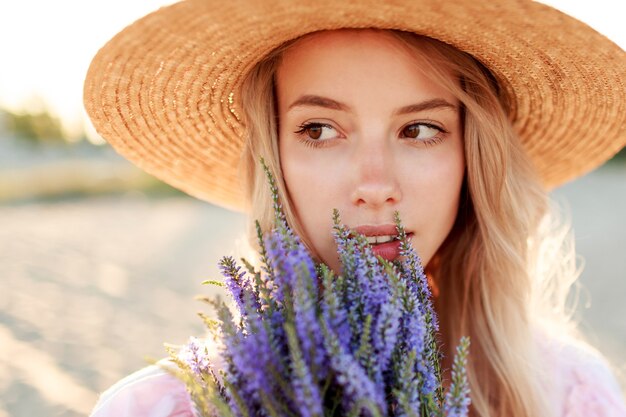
[
  {"x": 388, "y": 250},
  {"x": 382, "y": 230}
]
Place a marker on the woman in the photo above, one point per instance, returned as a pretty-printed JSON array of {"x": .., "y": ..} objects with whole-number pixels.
[{"x": 359, "y": 107}]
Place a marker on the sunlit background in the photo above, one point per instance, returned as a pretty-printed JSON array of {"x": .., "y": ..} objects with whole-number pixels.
[{"x": 99, "y": 262}]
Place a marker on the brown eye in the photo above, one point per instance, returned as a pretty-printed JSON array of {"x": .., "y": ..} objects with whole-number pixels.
[
  {"x": 411, "y": 131},
  {"x": 317, "y": 131},
  {"x": 314, "y": 132},
  {"x": 421, "y": 131}
]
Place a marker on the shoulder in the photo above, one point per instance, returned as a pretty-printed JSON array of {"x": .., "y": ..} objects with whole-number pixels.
[
  {"x": 152, "y": 391},
  {"x": 582, "y": 379}
]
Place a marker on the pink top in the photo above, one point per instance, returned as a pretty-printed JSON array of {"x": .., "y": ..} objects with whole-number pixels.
[{"x": 582, "y": 384}]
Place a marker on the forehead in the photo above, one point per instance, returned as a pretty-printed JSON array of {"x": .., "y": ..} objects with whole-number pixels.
[{"x": 330, "y": 62}]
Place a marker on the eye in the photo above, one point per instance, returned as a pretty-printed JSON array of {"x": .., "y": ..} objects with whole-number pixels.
[
  {"x": 317, "y": 131},
  {"x": 421, "y": 131}
]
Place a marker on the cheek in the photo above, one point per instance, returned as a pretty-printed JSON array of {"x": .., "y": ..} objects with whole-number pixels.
[
  {"x": 445, "y": 188},
  {"x": 315, "y": 178},
  {"x": 314, "y": 192},
  {"x": 308, "y": 179},
  {"x": 434, "y": 200}
]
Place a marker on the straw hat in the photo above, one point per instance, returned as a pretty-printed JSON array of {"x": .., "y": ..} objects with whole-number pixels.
[{"x": 164, "y": 92}]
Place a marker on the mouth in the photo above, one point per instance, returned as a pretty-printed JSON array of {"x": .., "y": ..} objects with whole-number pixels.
[
  {"x": 374, "y": 240},
  {"x": 384, "y": 240},
  {"x": 387, "y": 247}
]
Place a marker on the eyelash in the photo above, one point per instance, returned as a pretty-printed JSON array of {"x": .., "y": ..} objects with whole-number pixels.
[
  {"x": 313, "y": 143},
  {"x": 438, "y": 138},
  {"x": 316, "y": 143}
]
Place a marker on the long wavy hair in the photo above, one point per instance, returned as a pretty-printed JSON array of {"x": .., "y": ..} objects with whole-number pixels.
[{"x": 494, "y": 273}]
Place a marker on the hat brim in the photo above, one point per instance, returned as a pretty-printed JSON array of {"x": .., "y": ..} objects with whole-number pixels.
[{"x": 164, "y": 92}]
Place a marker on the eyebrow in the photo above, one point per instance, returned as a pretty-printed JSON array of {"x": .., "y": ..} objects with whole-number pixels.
[
  {"x": 328, "y": 103},
  {"x": 435, "y": 103},
  {"x": 318, "y": 101}
]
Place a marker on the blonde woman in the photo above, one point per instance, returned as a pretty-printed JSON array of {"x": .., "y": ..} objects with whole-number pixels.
[{"x": 459, "y": 117}]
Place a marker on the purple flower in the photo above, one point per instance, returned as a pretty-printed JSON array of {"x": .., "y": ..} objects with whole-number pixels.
[
  {"x": 429, "y": 359},
  {"x": 334, "y": 314},
  {"x": 195, "y": 355},
  {"x": 313, "y": 343},
  {"x": 457, "y": 399},
  {"x": 307, "y": 323},
  {"x": 351, "y": 377},
  {"x": 236, "y": 282},
  {"x": 307, "y": 392},
  {"x": 253, "y": 361}
]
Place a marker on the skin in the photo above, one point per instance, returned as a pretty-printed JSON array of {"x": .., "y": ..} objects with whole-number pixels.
[{"x": 362, "y": 157}]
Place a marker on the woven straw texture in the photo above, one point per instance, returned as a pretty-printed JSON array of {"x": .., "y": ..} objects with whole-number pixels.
[{"x": 164, "y": 92}]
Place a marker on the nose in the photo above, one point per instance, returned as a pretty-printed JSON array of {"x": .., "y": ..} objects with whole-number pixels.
[{"x": 375, "y": 181}]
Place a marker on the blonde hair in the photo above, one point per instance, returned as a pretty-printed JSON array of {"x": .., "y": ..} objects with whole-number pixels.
[{"x": 488, "y": 262}]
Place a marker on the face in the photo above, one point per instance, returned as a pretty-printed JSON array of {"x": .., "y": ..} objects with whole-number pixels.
[{"x": 364, "y": 131}]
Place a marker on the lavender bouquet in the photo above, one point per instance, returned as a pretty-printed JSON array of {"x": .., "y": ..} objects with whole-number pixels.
[{"x": 308, "y": 342}]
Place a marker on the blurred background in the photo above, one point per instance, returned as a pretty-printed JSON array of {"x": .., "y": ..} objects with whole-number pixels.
[{"x": 99, "y": 263}]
